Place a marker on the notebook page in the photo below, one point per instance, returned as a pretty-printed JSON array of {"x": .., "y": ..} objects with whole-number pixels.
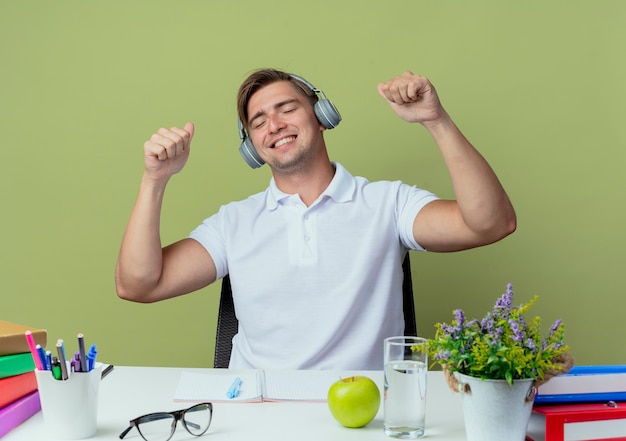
[
  {"x": 294, "y": 385},
  {"x": 212, "y": 386}
]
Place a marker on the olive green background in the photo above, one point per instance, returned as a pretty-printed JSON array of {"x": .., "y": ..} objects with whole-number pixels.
[{"x": 538, "y": 86}]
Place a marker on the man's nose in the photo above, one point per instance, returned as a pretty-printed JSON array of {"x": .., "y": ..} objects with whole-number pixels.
[{"x": 275, "y": 123}]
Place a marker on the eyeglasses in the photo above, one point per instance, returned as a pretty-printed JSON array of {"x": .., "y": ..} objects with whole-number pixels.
[{"x": 161, "y": 426}]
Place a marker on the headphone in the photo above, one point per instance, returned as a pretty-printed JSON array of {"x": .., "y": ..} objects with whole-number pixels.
[{"x": 325, "y": 111}]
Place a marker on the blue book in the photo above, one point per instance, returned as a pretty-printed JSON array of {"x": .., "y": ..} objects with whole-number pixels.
[
  {"x": 585, "y": 384},
  {"x": 597, "y": 370}
]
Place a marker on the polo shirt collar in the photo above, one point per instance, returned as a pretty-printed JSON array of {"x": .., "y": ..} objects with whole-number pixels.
[{"x": 340, "y": 189}]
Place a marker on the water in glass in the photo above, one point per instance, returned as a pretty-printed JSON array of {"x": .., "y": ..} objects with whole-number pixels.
[{"x": 405, "y": 398}]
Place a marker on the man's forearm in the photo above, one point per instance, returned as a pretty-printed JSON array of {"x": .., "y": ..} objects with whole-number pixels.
[{"x": 140, "y": 259}]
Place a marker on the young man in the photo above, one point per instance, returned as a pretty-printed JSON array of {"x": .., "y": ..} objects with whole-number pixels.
[{"x": 315, "y": 259}]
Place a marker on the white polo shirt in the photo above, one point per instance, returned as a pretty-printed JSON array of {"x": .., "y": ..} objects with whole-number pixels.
[{"x": 316, "y": 287}]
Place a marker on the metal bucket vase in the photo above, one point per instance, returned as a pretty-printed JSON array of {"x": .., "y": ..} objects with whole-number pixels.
[{"x": 494, "y": 410}]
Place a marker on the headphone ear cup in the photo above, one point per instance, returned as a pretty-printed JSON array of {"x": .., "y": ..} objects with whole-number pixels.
[
  {"x": 249, "y": 154},
  {"x": 327, "y": 114}
]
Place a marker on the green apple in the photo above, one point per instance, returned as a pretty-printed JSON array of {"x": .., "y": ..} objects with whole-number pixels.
[{"x": 354, "y": 401}]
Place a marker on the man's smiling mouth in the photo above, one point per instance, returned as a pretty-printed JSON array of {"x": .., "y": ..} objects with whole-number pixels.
[{"x": 285, "y": 141}]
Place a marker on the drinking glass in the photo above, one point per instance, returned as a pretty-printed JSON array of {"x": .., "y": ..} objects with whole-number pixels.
[{"x": 406, "y": 365}]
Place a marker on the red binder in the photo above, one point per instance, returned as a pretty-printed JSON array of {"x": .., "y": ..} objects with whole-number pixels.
[
  {"x": 17, "y": 386},
  {"x": 582, "y": 422}
]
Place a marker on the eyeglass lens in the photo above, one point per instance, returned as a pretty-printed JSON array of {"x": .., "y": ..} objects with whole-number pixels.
[
  {"x": 156, "y": 426},
  {"x": 197, "y": 419},
  {"x": 161, "y": 426}
]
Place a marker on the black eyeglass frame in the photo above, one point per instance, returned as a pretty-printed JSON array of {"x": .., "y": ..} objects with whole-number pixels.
[{"x": 177, "y": 414}]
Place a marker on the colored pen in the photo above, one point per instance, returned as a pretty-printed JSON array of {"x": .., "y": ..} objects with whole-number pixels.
[
  {"x": 33, "y": 350},
  {"x": 81, "y": 350},
  {"x": 56, "y": 369},
  {"x": 233, "y": 390},
  {"x": 61, "y": 353},
  {"x": 91, "y": 357},
  {"x": 48, "y": 360},
  {"x": 42, "y": 356},
  {"x": 75, "y": 363}
]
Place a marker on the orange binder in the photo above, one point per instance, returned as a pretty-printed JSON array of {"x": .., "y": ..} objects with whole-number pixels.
[{"x": 583, "y": 422}]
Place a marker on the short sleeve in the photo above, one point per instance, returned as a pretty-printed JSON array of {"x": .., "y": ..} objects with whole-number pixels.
[
  {"x": 211, "y": 237},
  {"x": 410, "y": 201}
]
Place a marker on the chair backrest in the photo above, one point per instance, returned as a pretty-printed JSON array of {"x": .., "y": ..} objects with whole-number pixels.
[
  {"x": 227, "y": 323},
  {"x": 408, "y": 302}
]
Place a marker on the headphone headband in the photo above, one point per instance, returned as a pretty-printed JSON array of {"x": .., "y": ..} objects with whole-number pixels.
[{"x": 305, "y": 82}]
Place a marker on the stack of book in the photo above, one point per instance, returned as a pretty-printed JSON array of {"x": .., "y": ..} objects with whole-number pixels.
[
  {"x": 588, "y": 403},
  {"x": 19, "y": 398}
]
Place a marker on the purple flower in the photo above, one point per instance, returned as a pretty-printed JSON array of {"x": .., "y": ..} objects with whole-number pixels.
[
  {"x": 442, "y": 355},
  {"x": 554, "y": 328},
  {"x": 460, "y": 318},
  {"x": 518, "y": 335},
  {"x": 449, "y": 330},
  {"x": 487, "y": 324},
  {"x": 498, "y": 333},
  {"x": 474, "y": 324},
  {"x": 503, "y": 304}
]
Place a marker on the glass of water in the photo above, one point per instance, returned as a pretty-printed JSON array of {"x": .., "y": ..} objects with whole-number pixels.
[{"x": 406, "y": 365}]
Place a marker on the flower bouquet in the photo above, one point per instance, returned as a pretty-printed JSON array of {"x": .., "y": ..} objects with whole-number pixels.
[{"x": 504, "y": 345}]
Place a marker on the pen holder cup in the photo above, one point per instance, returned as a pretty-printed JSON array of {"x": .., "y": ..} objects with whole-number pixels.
[{"x": 70, "y": 407}]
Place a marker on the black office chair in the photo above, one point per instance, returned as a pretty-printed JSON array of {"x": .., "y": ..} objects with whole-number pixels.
[{"x": 227, "y": 322}]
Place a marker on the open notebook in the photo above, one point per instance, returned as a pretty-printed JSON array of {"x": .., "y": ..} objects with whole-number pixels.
[{"x": 258, "y": 385}]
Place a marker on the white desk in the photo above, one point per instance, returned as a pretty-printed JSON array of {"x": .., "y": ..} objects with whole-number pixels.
[{"x": 128, "y": 392}]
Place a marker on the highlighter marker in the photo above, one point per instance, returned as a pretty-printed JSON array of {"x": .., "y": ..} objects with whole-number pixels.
[
  {"x": 56, "y": 368},
  {"x": 233, "y": 390},
  {"x": 33, "y": 349}
]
